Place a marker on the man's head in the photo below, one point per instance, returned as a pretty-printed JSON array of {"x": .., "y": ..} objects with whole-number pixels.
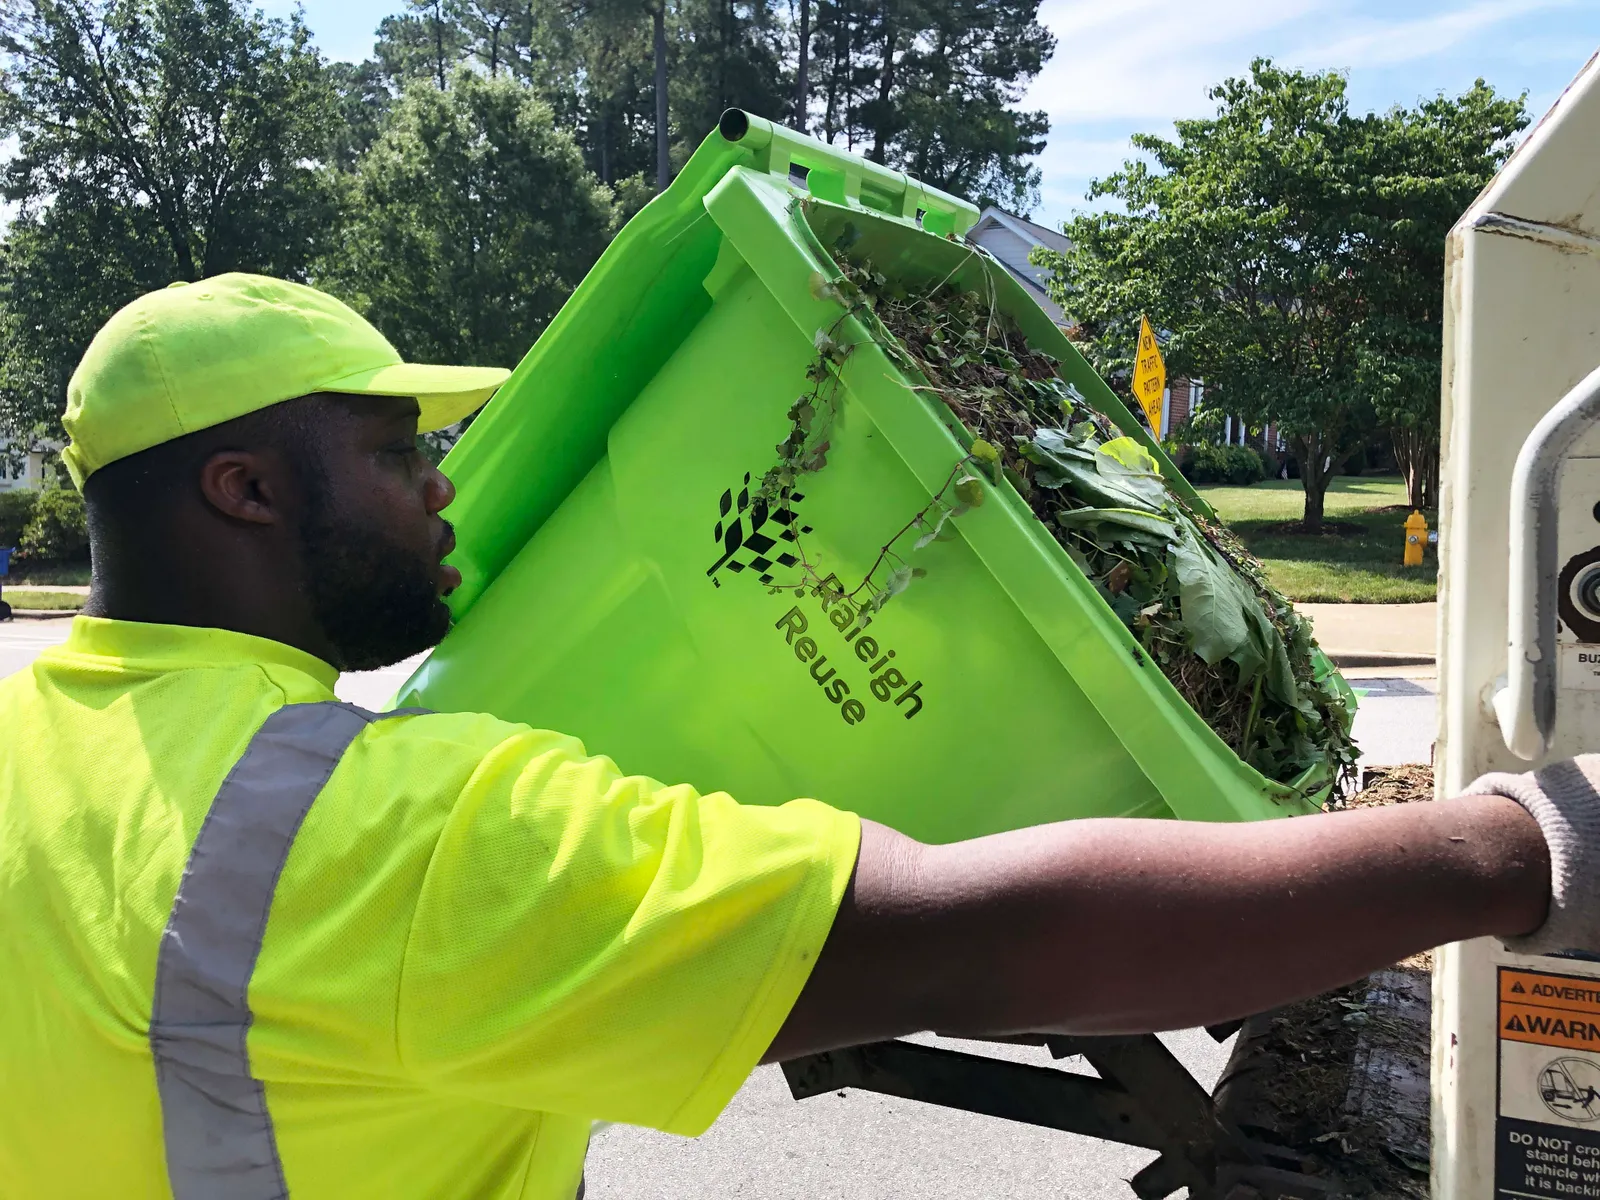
[{"x": 215, "y": 499}]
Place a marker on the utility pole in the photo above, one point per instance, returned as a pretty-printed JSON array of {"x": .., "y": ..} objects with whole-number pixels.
[
  {"x": 663, "y": 160},
  {"x": 802, "y": 79}
]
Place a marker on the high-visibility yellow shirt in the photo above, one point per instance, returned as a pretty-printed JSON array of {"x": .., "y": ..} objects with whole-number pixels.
[{"x": 481, "y": 938}]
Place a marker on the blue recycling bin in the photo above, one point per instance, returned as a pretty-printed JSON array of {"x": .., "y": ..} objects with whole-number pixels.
[{"x": 5, "y": 560}]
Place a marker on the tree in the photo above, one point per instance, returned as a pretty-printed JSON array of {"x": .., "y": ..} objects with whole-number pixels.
[
  {"x": 615, "y": 102},
  {"x": 364, "y": 99},
  {"x": 955, "y": 124},
  {"x": 730, "y": 54},
  {"x": 473, "y": 219},
  {"x": 433, "y": 37},
  {"x": 616, "y": 48},
  {"x": 155, "y": 140},
  {"x": 424, "y": 42},
  {"x": 1276, "y": 244},
  {"x": 1428, "y": 165},
  {"x": 930, "y": 86},
  {"x": 499, "y": 33}
]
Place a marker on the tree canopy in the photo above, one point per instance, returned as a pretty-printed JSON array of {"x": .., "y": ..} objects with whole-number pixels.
[
  {"x": 155, "y": 140},
  {"x": 1292, "y": 252},
  {"x": 472, "y": 217},
  {"x": 929, "y": 86}
]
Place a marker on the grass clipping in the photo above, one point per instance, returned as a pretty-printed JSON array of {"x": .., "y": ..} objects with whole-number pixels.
[{"x": 1196, "y": 600}]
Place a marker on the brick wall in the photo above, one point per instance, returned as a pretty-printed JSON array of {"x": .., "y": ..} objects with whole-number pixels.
[{"x": 1182, "y": 391}]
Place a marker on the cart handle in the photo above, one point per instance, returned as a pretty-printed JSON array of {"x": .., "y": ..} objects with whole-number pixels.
[
  {"x": 1526, "y": 705},
  {"x": 845, "y": 178}
]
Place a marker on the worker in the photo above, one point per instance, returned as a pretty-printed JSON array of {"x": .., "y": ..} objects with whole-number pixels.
[{"x": 255, "y": 942}]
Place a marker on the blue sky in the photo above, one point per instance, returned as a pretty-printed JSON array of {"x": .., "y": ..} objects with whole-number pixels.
[{"x": 1123, "y": 66}]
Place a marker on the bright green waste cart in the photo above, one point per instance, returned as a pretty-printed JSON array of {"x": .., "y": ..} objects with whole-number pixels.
[{"x": 617, "y": 560}]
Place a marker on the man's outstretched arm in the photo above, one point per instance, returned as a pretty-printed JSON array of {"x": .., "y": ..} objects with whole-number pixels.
[{"x": 1130, "y": 926}]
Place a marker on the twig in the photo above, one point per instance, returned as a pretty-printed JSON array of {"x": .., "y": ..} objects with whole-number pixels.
[{"x": 938, "y": 498}]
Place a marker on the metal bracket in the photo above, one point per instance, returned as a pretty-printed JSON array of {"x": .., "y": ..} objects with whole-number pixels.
[{"x": 1143, "y": 1097}]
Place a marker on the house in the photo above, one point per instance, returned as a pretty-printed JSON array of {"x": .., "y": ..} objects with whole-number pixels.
[
  {"x": 1011, "y": 239},
  {"x": 21, "y": 470}
]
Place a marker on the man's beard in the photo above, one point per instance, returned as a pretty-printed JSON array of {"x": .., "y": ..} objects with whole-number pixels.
[{"x": 377, "y": 602}]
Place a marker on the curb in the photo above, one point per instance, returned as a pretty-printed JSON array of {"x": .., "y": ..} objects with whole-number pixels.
[
  {"x": 44, "y": 614},
  {"x": 1378, "y": 658}
]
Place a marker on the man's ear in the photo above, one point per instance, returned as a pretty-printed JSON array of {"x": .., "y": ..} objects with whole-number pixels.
[{"x": 244, "y": 485}]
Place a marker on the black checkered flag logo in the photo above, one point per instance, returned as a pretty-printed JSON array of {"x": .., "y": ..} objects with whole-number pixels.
[{"x": 755, "y": 534}]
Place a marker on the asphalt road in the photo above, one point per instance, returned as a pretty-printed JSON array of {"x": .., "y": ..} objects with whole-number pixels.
[
  {"x": 1396, "y": 719},
  {"x": 856, "y": 1145},
  {"x": 859, "y": 1146}
]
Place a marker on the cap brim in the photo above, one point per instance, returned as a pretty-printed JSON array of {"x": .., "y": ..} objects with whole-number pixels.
[{"x": 445, "y": 394}]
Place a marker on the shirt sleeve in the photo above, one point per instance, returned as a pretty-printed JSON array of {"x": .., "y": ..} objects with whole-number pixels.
[{"x": 603, "y": 945}]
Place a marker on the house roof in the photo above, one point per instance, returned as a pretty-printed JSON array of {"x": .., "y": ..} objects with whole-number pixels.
[
  {"x": 1030, "y": 231},
  {"x": 1011, "y": 239}
]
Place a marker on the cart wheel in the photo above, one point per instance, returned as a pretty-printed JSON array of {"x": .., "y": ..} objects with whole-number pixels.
[{"x": 5, "y": 611}]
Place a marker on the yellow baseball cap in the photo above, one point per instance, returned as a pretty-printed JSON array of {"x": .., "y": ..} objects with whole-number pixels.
[{"x": 194, "y": 355}]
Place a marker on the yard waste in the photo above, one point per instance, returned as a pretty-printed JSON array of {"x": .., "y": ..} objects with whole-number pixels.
[{"x": 731, "y": 528}]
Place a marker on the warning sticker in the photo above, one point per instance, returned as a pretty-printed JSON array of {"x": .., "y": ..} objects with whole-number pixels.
[
  {"x": 1580, "y": 666},
  {"x": 1547, "y": 1138},
  {"x": 1549, "y": 1010}
]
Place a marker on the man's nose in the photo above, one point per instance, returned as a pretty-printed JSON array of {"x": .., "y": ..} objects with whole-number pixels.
[{"x": 440, "y": 492}]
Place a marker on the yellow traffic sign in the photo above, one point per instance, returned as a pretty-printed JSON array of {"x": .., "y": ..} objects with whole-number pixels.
[{"x": 1149, "y": 375}]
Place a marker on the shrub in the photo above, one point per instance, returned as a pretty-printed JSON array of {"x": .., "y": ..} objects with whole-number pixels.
[
  {"x": 58, "y": 530},
  {"x": 1236, "y": 465},
  {"x": 16, "y": 510}
]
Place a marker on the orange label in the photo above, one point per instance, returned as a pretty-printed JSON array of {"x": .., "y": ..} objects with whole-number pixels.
[{"x": 1550, "y": 1010}]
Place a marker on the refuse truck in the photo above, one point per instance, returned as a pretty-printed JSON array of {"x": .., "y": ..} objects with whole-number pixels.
[
  {"x": 630, "y": 576},
  {"x": 1519, "y": 638}
]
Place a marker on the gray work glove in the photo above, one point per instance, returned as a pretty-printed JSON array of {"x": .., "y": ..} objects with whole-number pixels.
[{"x": 1564, "y": 798}]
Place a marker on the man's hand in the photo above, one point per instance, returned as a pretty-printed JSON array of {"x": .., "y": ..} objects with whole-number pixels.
[{"x": 1132, "y": 926}]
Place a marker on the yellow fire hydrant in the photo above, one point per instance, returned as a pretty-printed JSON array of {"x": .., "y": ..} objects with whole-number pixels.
[{"x": 1416, "y": 538}]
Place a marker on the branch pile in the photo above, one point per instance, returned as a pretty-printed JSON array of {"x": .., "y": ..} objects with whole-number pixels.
[{"x": 1196, "y": 600}]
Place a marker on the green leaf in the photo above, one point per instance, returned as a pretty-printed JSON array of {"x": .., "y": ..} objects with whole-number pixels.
[
  {"x": 1091, "y": 475},
  {"x": 899, "y": 580},
  {"x": 941, "y": 530},
  {"x": 829, "y": 347},
  {"x": 1132, "y": 455},
  {"x": 984, "y": 452},
  {"x": 1127, "y": 467},
  {"x": 1091, "y": 520},
  {"x": 1056, "y": 442},
  {"x": 1208, "y": 596},
  {"x": 969, "y": 490}
]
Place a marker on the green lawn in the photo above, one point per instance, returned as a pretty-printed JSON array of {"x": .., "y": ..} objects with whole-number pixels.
[
  {"x": 42, "y": 601},
  {"x": 1350, "y": 568},
  {"x": 73, "y": 575}
]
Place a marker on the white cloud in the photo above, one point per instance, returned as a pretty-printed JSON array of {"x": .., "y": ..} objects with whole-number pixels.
[
  {"x": 1386, "y": 43},
  {"x": 1149, "y": 58},
  {"x": 1142, "y": 64},
  {"x": 1069, "y": 164}
]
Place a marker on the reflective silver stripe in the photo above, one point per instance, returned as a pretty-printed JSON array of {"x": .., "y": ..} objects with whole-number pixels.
[{"x": 218, "y": 1133}]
